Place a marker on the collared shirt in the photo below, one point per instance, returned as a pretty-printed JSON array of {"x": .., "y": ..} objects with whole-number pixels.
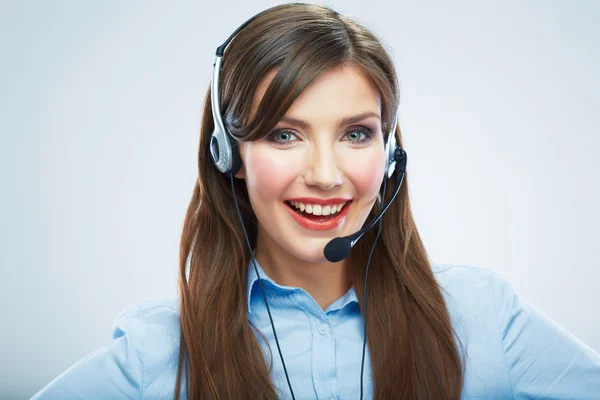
[
  {"x": 322, "y": 349},
  {"x": 514, "y": 351}
]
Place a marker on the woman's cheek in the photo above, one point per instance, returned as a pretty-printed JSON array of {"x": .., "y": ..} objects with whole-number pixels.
[
  {"x": 271, "y": 171},
  {"x": 367, "y": 173}
]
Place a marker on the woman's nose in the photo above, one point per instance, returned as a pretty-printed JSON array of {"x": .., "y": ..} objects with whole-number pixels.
[{"x": 323, "y": 169}]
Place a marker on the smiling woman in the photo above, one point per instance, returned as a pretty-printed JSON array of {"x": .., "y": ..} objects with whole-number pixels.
[
  {"x": 315, "y": 156},
  {"x": 298, "y": 140}
]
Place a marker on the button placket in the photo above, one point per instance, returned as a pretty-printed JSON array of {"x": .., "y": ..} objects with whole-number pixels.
[
  {"x": 323, "y": 346},
  {"x": 326, "y": 354}
]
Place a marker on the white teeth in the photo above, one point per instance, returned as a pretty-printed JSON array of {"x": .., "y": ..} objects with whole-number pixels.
[{"x": 317, "y": 209}]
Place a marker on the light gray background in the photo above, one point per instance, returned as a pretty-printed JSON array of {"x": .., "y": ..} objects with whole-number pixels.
[{"x": 100, "y": 110}]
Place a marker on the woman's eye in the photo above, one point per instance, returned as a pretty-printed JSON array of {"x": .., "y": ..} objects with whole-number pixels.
[
  {"x": 280, "y": 137},
  {"x": 354, "y": 134}
]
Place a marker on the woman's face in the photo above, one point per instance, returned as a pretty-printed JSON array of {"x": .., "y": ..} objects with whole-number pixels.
[{"x": 322, "y": 158}]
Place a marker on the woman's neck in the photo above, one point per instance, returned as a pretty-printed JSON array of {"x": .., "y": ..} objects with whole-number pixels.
[{"x": 324, "y": 281}]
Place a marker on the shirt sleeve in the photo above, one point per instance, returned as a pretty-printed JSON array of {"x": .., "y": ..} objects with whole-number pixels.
[
  {"x": 544, "y": 361},
  {"x": 113, "y": 371}
]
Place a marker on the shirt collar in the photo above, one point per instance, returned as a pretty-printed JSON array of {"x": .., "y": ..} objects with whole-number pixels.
[{"x": 252, "y": 280}]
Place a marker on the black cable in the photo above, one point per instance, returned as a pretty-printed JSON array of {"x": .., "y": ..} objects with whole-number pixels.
[
  {"x": 261, "y": 286},
  {"x": 362, "y": 364}
]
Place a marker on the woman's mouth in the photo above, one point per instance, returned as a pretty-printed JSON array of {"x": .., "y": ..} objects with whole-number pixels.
[{"x": 309, "y": 220}]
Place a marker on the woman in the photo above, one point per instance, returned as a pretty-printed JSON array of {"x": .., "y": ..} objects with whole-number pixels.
[{"x": 307, "y": 100}]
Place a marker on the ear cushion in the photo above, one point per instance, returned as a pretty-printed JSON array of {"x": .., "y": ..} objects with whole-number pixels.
[{"x": 236, "y": 162}]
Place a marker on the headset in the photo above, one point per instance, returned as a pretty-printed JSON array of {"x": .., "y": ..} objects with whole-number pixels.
[{"x": 225, "y": 155}]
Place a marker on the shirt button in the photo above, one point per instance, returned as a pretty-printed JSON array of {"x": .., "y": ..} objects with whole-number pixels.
[{"x": 323, "y": 329}]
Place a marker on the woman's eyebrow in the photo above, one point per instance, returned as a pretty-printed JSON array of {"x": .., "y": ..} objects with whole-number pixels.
[{"x": 344, "y": 121}]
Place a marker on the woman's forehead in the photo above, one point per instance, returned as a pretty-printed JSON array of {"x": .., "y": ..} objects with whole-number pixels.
[{"x": 339, "y": 93}]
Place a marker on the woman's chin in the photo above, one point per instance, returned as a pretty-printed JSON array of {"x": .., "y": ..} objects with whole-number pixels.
[{"x": 313, "y": 251}]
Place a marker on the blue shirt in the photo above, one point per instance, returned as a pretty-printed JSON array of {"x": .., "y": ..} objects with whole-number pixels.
[{"x": 514, "y": 351}]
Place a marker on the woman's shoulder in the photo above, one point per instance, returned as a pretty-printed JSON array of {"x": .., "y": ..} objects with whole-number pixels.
[
  {"x": 472, "y": 294},
  {"x": 481, "y": 302},
  {"x": 467, "y": 285},
  {"x": 153, "y": 324},
  {"x": 514, "y": 349},
  {"x": 154, "y": 328},
  {"x": 461, "y": 274},
  {"x": 140, "y": 361},
  {"x": 162, "y": 310}
]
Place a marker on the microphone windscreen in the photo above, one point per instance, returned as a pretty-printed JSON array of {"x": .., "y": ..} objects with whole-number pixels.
[{"x": 337, "y": 249}]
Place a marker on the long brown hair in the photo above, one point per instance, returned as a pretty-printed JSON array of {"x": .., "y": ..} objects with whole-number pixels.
[{"x": 410, "y": 338}]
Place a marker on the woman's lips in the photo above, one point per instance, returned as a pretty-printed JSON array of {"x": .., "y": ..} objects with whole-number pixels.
[{"x": 315, "y": 225}]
